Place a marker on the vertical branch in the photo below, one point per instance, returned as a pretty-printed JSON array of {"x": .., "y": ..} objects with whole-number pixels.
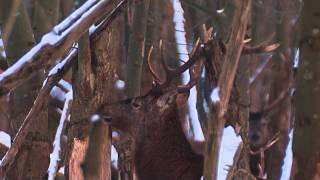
[
  {"x": 136, "y": 48},
  {"x": 225, "y": 84}
]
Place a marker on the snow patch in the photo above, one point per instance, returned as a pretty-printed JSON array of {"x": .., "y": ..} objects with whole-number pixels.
[
  {"x": 120, "y": 84},
  {"x": 57, "y": 93},
  {"x": 229, "y": 145},
  {"x": 215, "y": 97},
  {"x": 5, "y": 139},
  {"x": 114, "y": 156},
  {"x": 55, "y": 155},
  {"x": 286, "y": 167},
  {"x": 58, "y": 33},
  {"x": 296, "y": 58},
  {"x": 183, "y": 53},
  {"x": 95, "y": 118}
]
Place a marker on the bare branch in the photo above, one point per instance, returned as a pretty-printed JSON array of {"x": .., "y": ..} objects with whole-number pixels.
[
  {"x": 40, "y": 102},
  {"x": 44, "y": 54},
  {"x": 271, "y": 142},
  {"x": 56, "y": 153}
]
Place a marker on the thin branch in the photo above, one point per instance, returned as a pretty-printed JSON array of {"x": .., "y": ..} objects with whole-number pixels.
[
  {"x": 56, "y": 153},
  {"x": 271, "y": 142},
  {"x": 55, "y": 44},
  {"x": 40, "y": 102}
]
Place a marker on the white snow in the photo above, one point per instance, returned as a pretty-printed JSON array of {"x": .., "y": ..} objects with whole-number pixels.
[
  {"x": 229, "y": 144},
  {"x": 55, "y": 155},
  {"x": 296, "y": 58},
  {"x": 66, "y": 84},
  {"x": 215, "y": 97},
  {"x": 60, "y": 65},
  {"x": 3, "y": 53},
  {"x": 286, "y": 168},
  {"x": 55, "y": 36},
  {"x": 182, "y": 49},
  {"x": 114, "y": 156},
  {"x": 94, "y": 118},
  {"x": 120, "y": 84},
  {"x": 220, "y": 11},
  {"x": 5, "y": 139},
  {"x": 57, "y": 93}
]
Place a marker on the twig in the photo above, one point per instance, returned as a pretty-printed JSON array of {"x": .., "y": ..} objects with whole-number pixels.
[{"x": 271, "y": 142}]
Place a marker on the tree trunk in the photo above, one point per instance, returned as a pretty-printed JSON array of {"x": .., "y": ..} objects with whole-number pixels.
[
  {"x": 225, "y": 84},
  {"x": 136, "y": 47},
  {"x": 306, "y": 144},
  {"x": 94, "y": 84}
]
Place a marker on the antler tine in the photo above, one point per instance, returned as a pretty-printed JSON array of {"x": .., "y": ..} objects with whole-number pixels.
[
  {"x": 194, "y": 70},
  {"x": 194, "y": 73},
  {"x": 172, "y": 73},
  {"x": 262, "y": 47},
  {"x": 153, "y": 73},
  {"x": 193, "y": 58}
]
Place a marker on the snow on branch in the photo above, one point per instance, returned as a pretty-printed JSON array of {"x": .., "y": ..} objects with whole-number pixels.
[
  {"x": 57, "y": 43},
  {"x": 40, "y": 102},
  {"x": 55, "y": 155}
]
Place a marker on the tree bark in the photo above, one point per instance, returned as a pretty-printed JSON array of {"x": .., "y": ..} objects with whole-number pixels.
[
  {"x": 306, "y": 144},
  {"x": 94, "y": 84},
  {"x": 136, "y": 47},
  {"x": 225, "y": 85}
]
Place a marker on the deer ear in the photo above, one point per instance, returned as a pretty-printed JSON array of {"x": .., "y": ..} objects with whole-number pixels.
[{"x": 182, "y": 98}]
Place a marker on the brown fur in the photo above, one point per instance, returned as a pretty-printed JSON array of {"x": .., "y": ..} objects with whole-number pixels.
[{"x": 161, "y": 150}]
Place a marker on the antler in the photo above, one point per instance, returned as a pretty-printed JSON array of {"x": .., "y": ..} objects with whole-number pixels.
[{"x": 172, "y": 73}]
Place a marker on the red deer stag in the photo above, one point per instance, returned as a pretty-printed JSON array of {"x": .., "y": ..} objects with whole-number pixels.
[{"x": 161, "y": 150}]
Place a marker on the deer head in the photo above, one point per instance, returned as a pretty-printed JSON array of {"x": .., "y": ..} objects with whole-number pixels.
[{"x": 161, "y": 150}]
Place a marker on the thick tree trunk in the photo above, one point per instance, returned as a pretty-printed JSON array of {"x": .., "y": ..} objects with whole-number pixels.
[
  {"x": 94, "y": 84},
  {"x": 306, "y": 144}
]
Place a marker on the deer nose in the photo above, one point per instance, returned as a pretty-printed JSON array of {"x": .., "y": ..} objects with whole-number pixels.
[{"x": 254, "y": 137}]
